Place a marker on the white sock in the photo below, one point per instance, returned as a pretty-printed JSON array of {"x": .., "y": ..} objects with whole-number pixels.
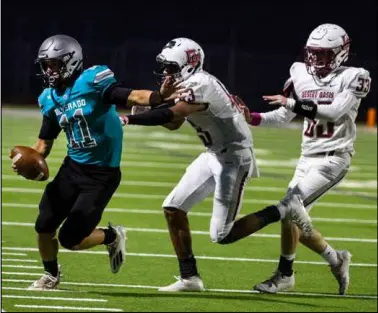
[
  {"x": 288, "y": 257},
  {"x": 330, "y": 255}
]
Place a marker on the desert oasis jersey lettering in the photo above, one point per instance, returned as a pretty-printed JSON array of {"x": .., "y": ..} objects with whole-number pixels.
[{"x": 321, "y": 135}]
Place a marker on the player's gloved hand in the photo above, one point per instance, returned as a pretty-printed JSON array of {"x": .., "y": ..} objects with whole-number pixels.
[
  {"x": 170, "y": 89},
  {"x": 124, "y": 120},
  {"x": 237, "y": 101},
  {"x": 137, "y": 109}
]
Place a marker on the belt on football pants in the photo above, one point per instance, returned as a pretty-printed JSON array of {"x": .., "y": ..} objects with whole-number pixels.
[
  {"x": 330, "y": 153},
  {"x": 327, "y": 153}
]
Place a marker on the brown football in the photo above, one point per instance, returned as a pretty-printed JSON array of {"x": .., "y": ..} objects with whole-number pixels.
[{"x": 30, "y": 164}]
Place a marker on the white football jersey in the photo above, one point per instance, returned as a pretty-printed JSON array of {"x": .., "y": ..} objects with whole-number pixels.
[
  {"x": 222, "y": 124},
  {"x": 323, "y": 135}
]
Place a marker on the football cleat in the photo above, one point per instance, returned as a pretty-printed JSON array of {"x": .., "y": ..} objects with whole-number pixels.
[
  {"x": 46, "y": 282},
  {"x": 341, "y": 271},
  {"x": 117, "y": 249},
  {"x": 193, "y": 283},
  {"x": 276, "y": 283}
]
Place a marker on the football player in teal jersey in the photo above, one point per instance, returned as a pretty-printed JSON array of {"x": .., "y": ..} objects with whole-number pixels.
[{"x": 82, "y": 102}]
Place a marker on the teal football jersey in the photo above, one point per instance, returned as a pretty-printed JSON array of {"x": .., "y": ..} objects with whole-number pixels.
[{"x": 93, "y": 129}]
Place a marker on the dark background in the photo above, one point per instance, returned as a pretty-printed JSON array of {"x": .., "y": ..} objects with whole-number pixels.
[{"x": 249, "y": 45}]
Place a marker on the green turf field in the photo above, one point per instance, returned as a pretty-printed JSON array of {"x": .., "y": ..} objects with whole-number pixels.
[{"x": 153, "y": 161}]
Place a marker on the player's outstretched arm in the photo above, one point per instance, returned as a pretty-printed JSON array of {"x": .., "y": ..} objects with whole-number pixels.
[
  {"x": 131, "y": 97},
  {"x": 137, "y": 109},
  {"x": 162, "y": 116},
  {"x": 174, "y": 125},
  {"x": 357, "y": 86},
  {"x": 339, "y": 106}
]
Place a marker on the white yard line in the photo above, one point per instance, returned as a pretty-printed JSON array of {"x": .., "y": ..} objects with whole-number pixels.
[
  {"x": 47, "y": 290},
  {"x": 155, "y": 184},
  {"x": 19, "y": 260},
  {"x": 21, "y": 266},
  {"x": 53, "y": 298},
  {"x": 21, "y": 274},
  {"x": 160, "y": 255},
  {"x": 204, "y": 214},
  {"x": 201, "y": 232},
  {"x": 174, "y": 166},
  {"x": 305, "y": 294},
  {"x": 162, "y": 197},
  {"x": 73, "y": 308},
  {"x": 13, "y": 254}
]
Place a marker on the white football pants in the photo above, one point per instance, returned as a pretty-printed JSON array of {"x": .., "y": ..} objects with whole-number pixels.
[
  {"x": 315, "y": 175},
  {"x": 226, "y": 174}
]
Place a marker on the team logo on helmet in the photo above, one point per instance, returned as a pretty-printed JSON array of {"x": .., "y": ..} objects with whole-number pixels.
[{"x": 193, "y": 56}]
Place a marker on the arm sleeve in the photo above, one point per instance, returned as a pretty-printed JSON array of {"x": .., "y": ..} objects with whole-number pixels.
[
  {"x": 357, "y": 86},
  {"x": 278, "y": 116},
  {"x": 340, "y": 105},
  {"x": 152, "y": 117},
  {"x": 116, "y": 94},
  {"x": 50, "y": 128}
]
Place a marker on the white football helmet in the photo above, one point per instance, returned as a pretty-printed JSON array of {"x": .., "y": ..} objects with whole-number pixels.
[
  {"x": 326, "y": 49},
  {"x": 180, "y": 58}
]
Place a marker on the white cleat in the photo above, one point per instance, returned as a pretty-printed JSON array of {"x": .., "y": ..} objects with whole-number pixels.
[
  {"x": 341, "y": 271},
  {"x": 46, "y": 282},
  {"x": 193, "y": 283},
  {"x": 298, "y": 214},
  {"x": 117, "y": 249},
  {"x": 276, "y": 283}
]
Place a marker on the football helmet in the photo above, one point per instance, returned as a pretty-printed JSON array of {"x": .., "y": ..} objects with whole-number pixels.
[
  {"x": 180, "y": 58},
  {"x": 326, "y": 49},
  {"x": 60, "y": 58}
]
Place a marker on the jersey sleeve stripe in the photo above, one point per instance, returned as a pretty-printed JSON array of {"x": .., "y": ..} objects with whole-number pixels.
[{"x": 102, "y": 75}]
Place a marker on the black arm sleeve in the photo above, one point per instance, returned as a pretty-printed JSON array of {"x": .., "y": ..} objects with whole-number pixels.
[
  {"x": 50, "y": 128},
  {"x": 152, "y": 118},
  {"x": 306, "y": 109},
  {"x": 116, "y": 94},
  {"x": 164, "y": 105}
]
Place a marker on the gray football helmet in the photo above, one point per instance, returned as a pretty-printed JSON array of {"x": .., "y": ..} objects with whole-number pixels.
[{"x": 60, "y": 58}]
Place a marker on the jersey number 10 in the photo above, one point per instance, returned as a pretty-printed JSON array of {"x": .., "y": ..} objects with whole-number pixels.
[{"x": 75, "y": 143}]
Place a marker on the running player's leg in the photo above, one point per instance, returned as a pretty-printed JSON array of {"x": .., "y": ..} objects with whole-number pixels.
[{"x": 195, "y": 185}]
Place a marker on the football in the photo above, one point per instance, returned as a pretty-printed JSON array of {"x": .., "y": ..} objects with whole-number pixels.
[{"x": 30, "y": 164}]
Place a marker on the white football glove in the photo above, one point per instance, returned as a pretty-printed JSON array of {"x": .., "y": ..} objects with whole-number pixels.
[{"x": 124, "y": 120}]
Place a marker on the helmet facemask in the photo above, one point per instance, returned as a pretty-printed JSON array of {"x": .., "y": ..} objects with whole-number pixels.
[
  {"x": 57, "y": 72},
  {"x": 322, "y": 61},
  {"x": 165, "y": 69}
]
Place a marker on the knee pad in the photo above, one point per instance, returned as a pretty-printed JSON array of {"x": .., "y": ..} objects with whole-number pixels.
[
  {"x": 45, "y": 224},
  {"x": 68, "y": 240},
  {"x": 219, "y": 229},
  {"x": 170, "y": 209}
]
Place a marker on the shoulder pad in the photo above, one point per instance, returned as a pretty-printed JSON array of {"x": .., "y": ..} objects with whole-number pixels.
[{"x": 357, "y": 81}]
